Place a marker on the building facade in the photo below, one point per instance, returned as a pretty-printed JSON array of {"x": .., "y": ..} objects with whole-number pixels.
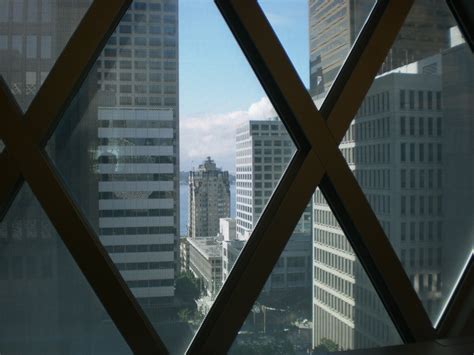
[
  {"x": 209, "y": 199},
  {"x": 264, "y": 149},
  {"x": 138, "y": 152},
  {"x": 334, "y": 25}
]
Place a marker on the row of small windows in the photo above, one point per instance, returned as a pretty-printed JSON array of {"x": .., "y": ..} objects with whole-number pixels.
[
  {"x": 28, "y": 267},
  {"x": 140, "y": 89},
  {"x": 124, "y": 159},
  {"x": 332, "y": 240},
  {"x": 420, "y": 100},
  {"x": 258, "y": 151},
  {"x": 326, "y": 218},
  {"x": 272, "y": 142},
  {"x": 431, "y": 205},
  {"x": 421, "y": 259},
  {"x": 335, "y": 262},
  {"x": 374, "y": 104},
  {"x": 137, "y": 230},
  {"x": 137, "y": 177},
  {"x": 369, "y": 154},
  {"x": 422, "y": 152},
  {"x": 153, "y": 53},
  {"x": 136, "y": 124},
  {"x": 421, "y": 231},
  {"x": 160, "y": 265},
  {"x": 151, "y": 100},
  {"x": 369, "y": 129},
  {"x": 334, "y": 302},
  {"x": 154, "y": 195},
  {"x": 140, "y": 248},
  {"x": 138, "y": 64},
  {"x": 143, "y": 6},
  {"x": 333, "y": 281},
  {"x": 417, "y": 126},
  {"x": 32, "y": 12},
  {"x": 150, "y": 283},
  {"x": 136, "y": 213},
  {"x": 373, "y": 179},
  {"x": 33, "y": 46},
  {"x": 138, "y": 76},
  {"x": 150, "y": 29},
  {"x": 142, "y": 41},
  {"x": 145, "y": 17},
  {"x": 416, "y": 178}
]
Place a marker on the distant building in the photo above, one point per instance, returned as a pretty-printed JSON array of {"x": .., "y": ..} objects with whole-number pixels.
[
  {"x": 205, "y": 262},
  {"x": 264, "y": 149},
  {"x": 209, "y": 199}
]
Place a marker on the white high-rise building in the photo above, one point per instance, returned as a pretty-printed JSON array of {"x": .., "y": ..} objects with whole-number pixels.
[{"x": 264, "y": 149}]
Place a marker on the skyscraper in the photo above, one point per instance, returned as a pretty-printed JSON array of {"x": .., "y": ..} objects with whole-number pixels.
[
  {"x": 394, "y": 148},
  {"x": 264, "y": 149},
  {"x": 209, "y": 199},
  {"x": 138, "y": 152}
]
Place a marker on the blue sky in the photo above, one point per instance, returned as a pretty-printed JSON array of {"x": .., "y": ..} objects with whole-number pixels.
[{"x": 218, "y": 89}]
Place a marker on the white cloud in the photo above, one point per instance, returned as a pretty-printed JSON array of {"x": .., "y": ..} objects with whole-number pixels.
[{"x": 214, "y": 135}]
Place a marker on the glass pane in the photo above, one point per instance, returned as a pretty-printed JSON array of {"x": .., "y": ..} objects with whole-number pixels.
[
  {"x": 155, "y": 163},
  {"x": 318, "y": 297},
  {"x": 410, "y": 148},
  {"x": 330, "y": 28},
  {"x": 46, "y": 304},
  {"x": 32, "y": 35}
]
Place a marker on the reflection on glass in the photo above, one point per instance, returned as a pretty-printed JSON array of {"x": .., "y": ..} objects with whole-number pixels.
[
  {"x": 409, "y": 148},
  {"x": 32, "y": 35},
  {"x": 46, "y": 305},
  {"x": 317, "y": 298}
]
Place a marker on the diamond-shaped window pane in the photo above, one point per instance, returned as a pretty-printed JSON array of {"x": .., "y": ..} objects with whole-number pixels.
[
  {"x": 153, "y": 180},
  {"x": 330, "y": 28},
  {"x": 32, "y": 35},
  {"x": 318, "y": 297},
  {"x": 410, "y": 148},
  {"x": 46, "y": 304}
]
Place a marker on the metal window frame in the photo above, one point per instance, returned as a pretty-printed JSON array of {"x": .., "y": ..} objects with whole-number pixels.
[{"x": 317, "y": 162}]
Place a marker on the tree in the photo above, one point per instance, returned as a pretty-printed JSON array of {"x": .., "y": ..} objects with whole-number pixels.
[
  {"x": 187, "y": 287},
  {"x": 326, "y": 346}
]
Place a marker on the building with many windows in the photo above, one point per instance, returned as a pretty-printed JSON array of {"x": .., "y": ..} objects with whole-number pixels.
[
  {"x": 264, "y": 149},
  {"x": 209, "y": 199},
  {"x": 138, "y": 152}
]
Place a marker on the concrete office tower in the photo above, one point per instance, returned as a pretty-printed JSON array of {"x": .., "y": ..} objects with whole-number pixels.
[
  {"x": 394, "y": 148},
  {"x": 139, "y": 149},
  {"x": 264, "y": 149},
  {"x": 209, "y": 199},
  {"x": 458, "y": 158},
  {"x": 334, "y": 25}
]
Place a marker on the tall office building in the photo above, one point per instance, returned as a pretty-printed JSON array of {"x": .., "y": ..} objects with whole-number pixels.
[
  {"x": 209, "y": 199},
  {"x": 394, "y": 148},
  {"x": 264, "y": 149},
  {"x": 334, "y": 25},
  {"x": 138, "y": 152}
]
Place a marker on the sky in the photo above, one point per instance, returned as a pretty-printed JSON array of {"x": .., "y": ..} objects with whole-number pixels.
[{"x": 218, "y": 90}]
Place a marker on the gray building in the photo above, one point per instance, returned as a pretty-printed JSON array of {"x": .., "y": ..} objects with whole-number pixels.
[
  {"x": 138, "y": 152},
  {"x": 209, "y": 199},
  {"x": 205, "y": 262}
]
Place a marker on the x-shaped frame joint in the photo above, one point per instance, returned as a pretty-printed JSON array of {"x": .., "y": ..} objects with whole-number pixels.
[{"x": 24, "y": 158}]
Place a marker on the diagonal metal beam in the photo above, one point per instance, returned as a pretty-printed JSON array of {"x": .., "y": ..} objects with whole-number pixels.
[
  {"x": 260, "y": 254},
  {"x": 78, "y": 236},
  {"x": 61, "y": 84},
  {"x": 294, "y": 105},
  {"x": 456, "y": 319}
]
